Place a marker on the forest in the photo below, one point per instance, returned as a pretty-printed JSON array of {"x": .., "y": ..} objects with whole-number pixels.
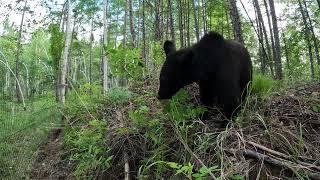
[{"x": 79, "y": 81}]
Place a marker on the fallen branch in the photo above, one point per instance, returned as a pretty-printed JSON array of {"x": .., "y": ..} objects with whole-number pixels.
[
  {"x": 281, "y": 155},
  {"x": 278, "y": 162}
]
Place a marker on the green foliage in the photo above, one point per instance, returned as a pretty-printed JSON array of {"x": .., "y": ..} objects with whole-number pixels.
[
  {"x": 119, "y": 95},
  {"x": 56, "y": 44},
  {"x": 316, "y": 108},
  {"x": 87, "y": 148},
  {"x": 22, "y": 132},
  {"x": 262, "y": 85},
  {"x": 158, "y": 54},
  {"x": 125, "y": 62},
  {"x": 181, "y": 109}
]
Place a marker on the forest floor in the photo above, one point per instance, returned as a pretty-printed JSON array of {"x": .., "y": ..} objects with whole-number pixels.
[{"x": 277, "y": 137}]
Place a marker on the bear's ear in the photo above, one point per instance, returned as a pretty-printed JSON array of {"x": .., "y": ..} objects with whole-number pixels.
[{"x": 169, "y": 47}]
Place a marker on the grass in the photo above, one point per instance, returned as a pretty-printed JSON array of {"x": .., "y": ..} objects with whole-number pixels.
[{"x": 21, "y": 134}]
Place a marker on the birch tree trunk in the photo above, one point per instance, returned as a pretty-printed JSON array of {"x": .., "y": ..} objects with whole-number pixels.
[
  {"x": 64, "y": 63},
  {"x": 18, "y": 90},
  {"x": 104, "y": 43}
]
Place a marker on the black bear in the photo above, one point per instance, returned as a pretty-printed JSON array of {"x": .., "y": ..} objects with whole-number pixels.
[{"x": 222, "y": 69}]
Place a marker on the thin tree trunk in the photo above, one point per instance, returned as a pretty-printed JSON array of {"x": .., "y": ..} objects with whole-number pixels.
[
  {"x": 139, "y": 27},
  {"x": 260, "y": 37},
  {"x": 180, "y": 24},
  {"x": 123, "y": 80},
  {"x": 195, "y": 20},
  {"x": 171, "y": 21},
  {"x": 18, "y": 90},
  {"x": 235, "y": 18},
  {"x": 264, "y": 36},
  {"x": 91, "y": 48},
  {"x": 185, "y": 22},
  {"x": 133, "y": 33},
  {"x": 286, "y": 52},
  {"x": 157, "y": 22},
  {"x": 144, "y": 53},
  {"x": 314, "y": 39},
  {"x": 272, "y": 37},
  {"x": 204, "y": 16},
  {"x": 228, "y": 24},
  {"x": 188, "y": 23},
  {"x": 64, "y": 64},
  {"x": 125, "y": 24},
  {"x": 117, "y": 22},
  {"x": 307, "y": 38},
  {"x": 278, "y": 65},
  {"x": 104, "y": 44}
]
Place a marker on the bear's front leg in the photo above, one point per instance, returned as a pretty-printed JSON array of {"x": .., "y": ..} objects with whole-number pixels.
[{"x": 229, "y": 99}]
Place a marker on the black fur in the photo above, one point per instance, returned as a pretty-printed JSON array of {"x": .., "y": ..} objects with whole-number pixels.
[{"x": 222, "y": 69}]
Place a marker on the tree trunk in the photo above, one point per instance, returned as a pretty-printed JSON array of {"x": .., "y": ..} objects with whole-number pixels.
[
  {"x": 117, "y": 22},
  {"x": 139, "y": 26},
  {"x": 90, "y": 53},
  {"x": 171, "y": 21},
  {"x": 277, "y": 52},
  {"x": 144, "y": 53},
  {"x": 180, "y": 23},
  {"x": 133, "y": 33},
  {"x": 286, "y": 52},
  {"x": 196, "y": 25},
  {"x": 228, "y": 24},
  {"x": 307, "y": 38},
  {"x": 158, "y": 20},
  {"x": 272, "y": 58},
  {"x": 125, "y": 24},
  {"x": 64, "y": 64},
  {"x": 204, "y": 16},
  {"x": 235, "y": 18},
  {"x": 188, "y": 23},
  {"x": 314, "y": 38},
  {"x": 18, "y": 90},
  {"x": 264, "y": 36},
  {"x": 104, "y": 44}
]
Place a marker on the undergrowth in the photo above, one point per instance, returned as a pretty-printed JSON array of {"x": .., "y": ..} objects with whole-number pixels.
[
  {"x": 161, "y": 140},
  {"x": 22, "y": 132}
]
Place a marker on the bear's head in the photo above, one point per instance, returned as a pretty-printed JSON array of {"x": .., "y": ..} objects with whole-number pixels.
[{"x": 175, "y": 72}]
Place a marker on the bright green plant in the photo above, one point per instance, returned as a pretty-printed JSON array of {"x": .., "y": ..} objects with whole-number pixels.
[
  {"x": 262, "y": 85},
  {"x": 181, "y": 109},
  {"x": 87, "y": 148},
  {"x": 119, "y": 95},
  {"x": 187, "y": 170}
]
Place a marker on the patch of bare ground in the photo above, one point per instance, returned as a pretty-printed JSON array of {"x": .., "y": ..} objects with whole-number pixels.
[{"x": 51, "y": 162}]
